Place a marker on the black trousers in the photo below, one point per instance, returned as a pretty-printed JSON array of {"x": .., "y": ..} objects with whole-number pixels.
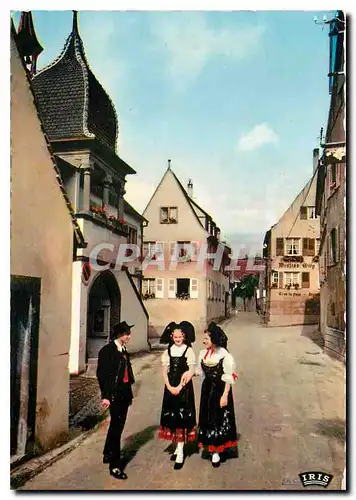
[{"x": 112, "y": 448}]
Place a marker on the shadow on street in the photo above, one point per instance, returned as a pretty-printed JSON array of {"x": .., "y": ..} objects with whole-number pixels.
[{"x": 135, "y": 441}]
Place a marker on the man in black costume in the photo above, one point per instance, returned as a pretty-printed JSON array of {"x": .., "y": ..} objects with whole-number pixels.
[{"x": 115, "y": 378}]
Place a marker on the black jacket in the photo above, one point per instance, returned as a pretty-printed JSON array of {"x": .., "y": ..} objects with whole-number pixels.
[{"x": 110, "y": 371}]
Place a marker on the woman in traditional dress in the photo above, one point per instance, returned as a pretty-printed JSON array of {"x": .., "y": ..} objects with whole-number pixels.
[
  {"x": 178, "y": 417},
  {"x": 217, "y": 426}
]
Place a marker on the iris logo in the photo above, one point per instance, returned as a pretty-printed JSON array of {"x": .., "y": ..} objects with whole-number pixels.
[{"x": 315, "y": 479}]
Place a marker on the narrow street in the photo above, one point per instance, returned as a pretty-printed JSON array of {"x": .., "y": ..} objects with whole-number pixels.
[{"x": 290, "y": 411}]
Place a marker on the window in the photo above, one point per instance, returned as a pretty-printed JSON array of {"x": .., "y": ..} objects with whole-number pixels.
[
  {"x": 334, "y": 248},
  {"x": 113, "y": 198},
  {"x": 148, "y": 288},
  {"x": 274, "y": 279},
  {"x": 309, "y": 247},
  {"x": 168, "y": 215},
  {"x": 183, "y": 288},
  {"x": 291, "y": 279},
  {"x": 132, "y": 236},
  {"x": 307, "y": 213},
  {"x": 153, "y": 248},
  {"x": 292, "y": 246}
]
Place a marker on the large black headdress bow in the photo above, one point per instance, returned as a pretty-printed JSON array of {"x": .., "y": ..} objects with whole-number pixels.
[
  {"x": 186, "y": 327},
  {"x": 217, "y": 335}
]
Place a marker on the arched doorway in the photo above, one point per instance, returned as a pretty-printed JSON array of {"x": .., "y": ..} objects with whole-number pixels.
[{"x": 104, "y": 306}]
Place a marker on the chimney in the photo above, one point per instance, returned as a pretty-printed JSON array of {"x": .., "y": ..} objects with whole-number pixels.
[
  {"x": 315, "y": 159},
  {"x": 190, "y": 188}
]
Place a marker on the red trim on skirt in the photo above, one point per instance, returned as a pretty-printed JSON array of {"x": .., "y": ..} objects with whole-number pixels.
[
  {"x": 177, "y": 436},
  {"x": 221, "y": 448}
]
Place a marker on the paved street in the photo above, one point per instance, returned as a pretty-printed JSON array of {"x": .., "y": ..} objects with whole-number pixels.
[{"x": 290, "y": 411}]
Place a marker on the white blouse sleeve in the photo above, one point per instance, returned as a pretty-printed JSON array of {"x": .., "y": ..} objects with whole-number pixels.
[
  {"x": 199, "y": 371},
  {"x": 165, "y": 358},
  {"x": 229, "y": 368},
  {"x": 190, "y": 355}
]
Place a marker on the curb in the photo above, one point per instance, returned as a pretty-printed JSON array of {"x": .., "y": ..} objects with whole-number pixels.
[
  {"x": 23, "y": 473},
  {"x": 20, "y": 475}
]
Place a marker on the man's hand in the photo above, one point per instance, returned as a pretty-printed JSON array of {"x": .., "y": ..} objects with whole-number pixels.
[
  {"x": 223, "y": 401},
  {"x": 105, "y": 403}
]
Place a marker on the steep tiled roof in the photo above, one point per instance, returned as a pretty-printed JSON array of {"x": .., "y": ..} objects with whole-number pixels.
[
  {"x": 129, "y": 209},
  {"x": 72, "y": 102},
  {"x": 76, "y": 228}
]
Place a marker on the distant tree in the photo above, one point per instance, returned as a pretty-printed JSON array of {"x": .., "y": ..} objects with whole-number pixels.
[{"x": 245, "y": 288}]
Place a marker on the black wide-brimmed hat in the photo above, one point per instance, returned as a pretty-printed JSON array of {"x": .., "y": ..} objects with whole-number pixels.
[
  {"x": 186, "y": 327},
  {"x": 121, "y": 329},
  {"x": 217, "y": 335}
]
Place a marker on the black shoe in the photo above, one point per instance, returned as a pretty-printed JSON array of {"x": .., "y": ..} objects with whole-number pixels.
[
  {"x": 118, "y": 474},
  {"x": 215, "y": 464},
  {"x": 173, "y": 457},
  {"x": 178, "y": 465}
]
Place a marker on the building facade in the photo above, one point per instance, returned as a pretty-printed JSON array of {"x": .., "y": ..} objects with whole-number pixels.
[
  {"x": 81, "y": 123},
  {"x": 185, "y": 290},
  {"x": 331, "y": 201},
  {"x": 43, "y": 229},
  {"x": 291, "y": 255}
]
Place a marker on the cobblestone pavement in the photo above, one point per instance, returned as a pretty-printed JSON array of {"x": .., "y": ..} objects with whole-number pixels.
[{"x": 290, "y": 411}]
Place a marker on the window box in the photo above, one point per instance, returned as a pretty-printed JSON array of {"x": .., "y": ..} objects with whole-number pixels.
[
  {"x": 274, "y": 285},
  {"x": 316, "y": 258}
]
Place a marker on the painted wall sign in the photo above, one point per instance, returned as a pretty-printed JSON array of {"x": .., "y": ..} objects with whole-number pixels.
[{"x": 291, "y": 265}]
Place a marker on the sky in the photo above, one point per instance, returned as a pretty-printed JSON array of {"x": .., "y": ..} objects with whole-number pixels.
[{"x": 235, "y": 99}]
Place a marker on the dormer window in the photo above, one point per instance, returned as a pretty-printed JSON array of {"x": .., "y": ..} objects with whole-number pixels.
[{"x": 169, "y": 215}]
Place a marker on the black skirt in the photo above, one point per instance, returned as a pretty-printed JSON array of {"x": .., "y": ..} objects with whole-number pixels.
[
  {"x": 178, "y": 417},
  {"x": 217, "y": 426}
]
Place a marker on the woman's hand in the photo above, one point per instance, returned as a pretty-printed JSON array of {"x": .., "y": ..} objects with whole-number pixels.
[
  {"x": 185, "y": 378},
  {"x": 105, "y": 403},
  {"x": 223, "y": 400},
  {"x": 175, "y": 390}
]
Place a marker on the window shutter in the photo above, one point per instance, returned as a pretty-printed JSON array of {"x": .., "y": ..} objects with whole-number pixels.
[
  {"x": 159, "y": 288},
  {"x": 280, "y": 280},
  {"x": 305, "y": 246},
  {"x": 194, "y": 292},
  {"x": 172, "y": 288},
  {"x": 172, "y": 248},
  {"x": 312, "y": 247},
  {"x": 303, "y": 213},
  {"x": 305, "y": 280},
  {"x": 279, "y": 246},
  {"x": 195, "y": 251},
  {"x": 338, "y": 167},
  {"x": 337, "y": 246}
]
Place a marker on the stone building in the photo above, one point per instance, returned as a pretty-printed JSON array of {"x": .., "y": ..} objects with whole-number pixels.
[
  {"x": 291, "y": 255},
  {"x": 330, "y": 201},
  {"x": 185, "y": 291},
  {"x": 44, "y": 231},
  {"x": 81, "y": 123}
]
